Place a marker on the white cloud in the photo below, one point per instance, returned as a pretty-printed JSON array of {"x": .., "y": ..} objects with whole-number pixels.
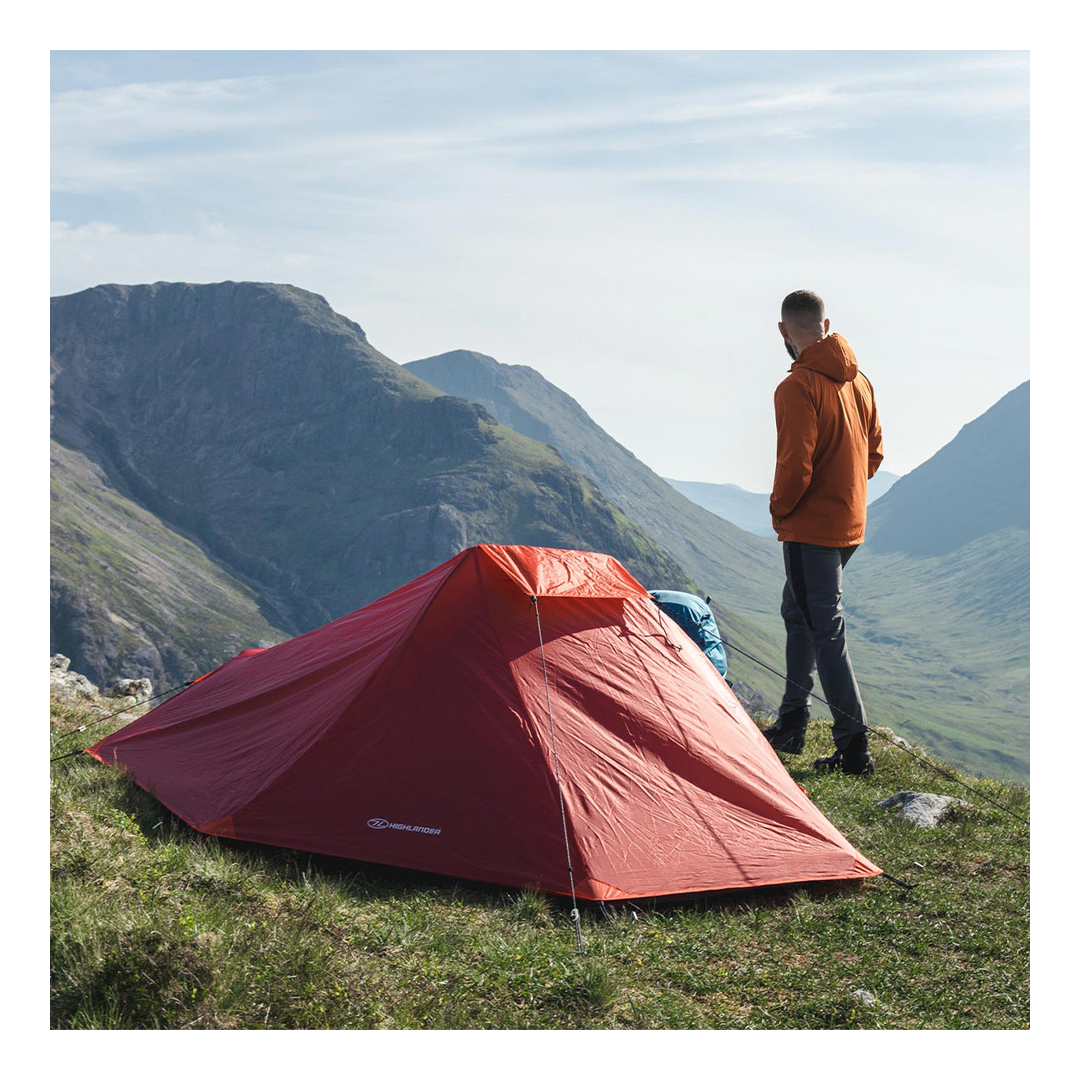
[
  {"x": 210, "y": 224},
  {"x": 93, "y": 230}
]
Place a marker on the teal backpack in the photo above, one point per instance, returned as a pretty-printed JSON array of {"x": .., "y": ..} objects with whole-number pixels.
[{"x": 692, "y": 614}]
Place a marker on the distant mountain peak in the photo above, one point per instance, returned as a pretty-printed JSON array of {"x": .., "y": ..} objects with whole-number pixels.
[
  {"x": 977, "y": 484},
  {"x": 463, "y": 355},
  {"x": 221, "y": 294}
]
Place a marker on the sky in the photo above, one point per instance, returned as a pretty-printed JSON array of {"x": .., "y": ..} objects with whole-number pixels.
[{"x": 626, "y": 222}]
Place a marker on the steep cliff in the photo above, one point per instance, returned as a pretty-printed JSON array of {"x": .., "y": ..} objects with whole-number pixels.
[{"x": 262, "y": 426}]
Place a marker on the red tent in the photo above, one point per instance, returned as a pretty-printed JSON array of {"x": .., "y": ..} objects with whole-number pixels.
[{"x": 518, "y": 716}]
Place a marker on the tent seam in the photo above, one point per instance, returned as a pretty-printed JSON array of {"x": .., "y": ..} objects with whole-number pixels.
[{"x": 540, "y": 744}]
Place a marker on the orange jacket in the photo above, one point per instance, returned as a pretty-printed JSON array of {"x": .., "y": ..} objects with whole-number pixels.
[{"x": 828, "y": 444}]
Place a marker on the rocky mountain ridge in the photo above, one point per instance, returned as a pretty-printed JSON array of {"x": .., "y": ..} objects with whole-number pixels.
[
  {"x": 743, "y": 573},
  {"x": 313, "y": 473}
]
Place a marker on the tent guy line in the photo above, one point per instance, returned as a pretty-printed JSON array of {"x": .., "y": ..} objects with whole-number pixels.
[
  {"x": 575, "y": 915},
  {"x": 111, "y": 716},
  {"x": 907, "y": 750},
  {"x": 408, "y": 732},
  {"x": 727, "y": 643}
]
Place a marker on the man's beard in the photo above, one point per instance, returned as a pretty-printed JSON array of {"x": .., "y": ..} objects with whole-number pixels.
[{"x": 790, "y": 349}]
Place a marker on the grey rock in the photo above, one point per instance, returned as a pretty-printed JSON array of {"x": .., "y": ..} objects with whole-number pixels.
[
  {"x": 69, "y": 685},
  {"x": 922, "y": 808},
  {"x": 409, "y": 542},
  {"x": 139, "y": 690},
  {"x": 891, "y": 736}
]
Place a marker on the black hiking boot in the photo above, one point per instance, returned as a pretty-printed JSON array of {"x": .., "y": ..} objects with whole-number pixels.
[
  {"x": 788, "y": 734},
  {"x": 854, "y": 759}
]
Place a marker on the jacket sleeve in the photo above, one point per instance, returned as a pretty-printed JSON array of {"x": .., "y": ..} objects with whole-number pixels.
[
  {"x": 876, "y": 450},
  {"x": 796, "y": 438}
]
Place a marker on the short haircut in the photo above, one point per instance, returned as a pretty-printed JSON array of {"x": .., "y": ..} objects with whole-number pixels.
[{"x": 802, "y": 308}]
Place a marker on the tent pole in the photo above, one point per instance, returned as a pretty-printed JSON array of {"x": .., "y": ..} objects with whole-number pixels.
[{"x": 575, "y": 914}]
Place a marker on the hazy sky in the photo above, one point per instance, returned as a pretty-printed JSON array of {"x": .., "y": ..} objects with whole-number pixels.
[{"x": 624, "y": 222}]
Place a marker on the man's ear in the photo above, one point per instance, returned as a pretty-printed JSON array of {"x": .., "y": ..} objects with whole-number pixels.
[
  {"x": 783, "y": 332},
  {"x": 825, "y": 324}
]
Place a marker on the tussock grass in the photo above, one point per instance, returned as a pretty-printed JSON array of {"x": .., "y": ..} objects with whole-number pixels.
[{"x": 157, "y": 926}]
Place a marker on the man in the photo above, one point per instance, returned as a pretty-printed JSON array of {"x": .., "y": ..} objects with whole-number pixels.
[{"x": 828, "y": 444}]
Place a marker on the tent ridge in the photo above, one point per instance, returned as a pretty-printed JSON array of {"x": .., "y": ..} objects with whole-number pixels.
[{"x": 396, "y": 652}]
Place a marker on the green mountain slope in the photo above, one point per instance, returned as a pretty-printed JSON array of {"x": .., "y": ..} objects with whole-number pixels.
[
  {"x": 129, "y": 592},
  {"x": 743, "y": 573},
  {"x": 975, "y": 485},
  {"x": 939, "y": 643},
  {"x": 263, "y": 425},
  {"x": 749, "y": 510},
  {"x": 942, "y": 646},
  {"x": 943, "y": 582}
]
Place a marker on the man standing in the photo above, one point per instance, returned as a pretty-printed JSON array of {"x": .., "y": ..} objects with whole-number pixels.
[{"x": 828, "y": 444}]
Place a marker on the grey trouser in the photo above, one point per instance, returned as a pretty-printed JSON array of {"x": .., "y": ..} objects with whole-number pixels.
[{"x": 814, "y": 617}]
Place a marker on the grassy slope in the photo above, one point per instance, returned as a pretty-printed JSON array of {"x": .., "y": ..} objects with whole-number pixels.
[
  {"x": 933, "y": 655},
  {"x": 940, "y": 659},
  {"x": 146, "y": 586},
  {"x": 157, "y": 926}
]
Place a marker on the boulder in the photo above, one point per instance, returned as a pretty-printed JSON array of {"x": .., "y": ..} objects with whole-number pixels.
[
  {"x": 138, "y": 690},
  {"x": 922, "y": 808},
  {"x": 69, "y": 684}
]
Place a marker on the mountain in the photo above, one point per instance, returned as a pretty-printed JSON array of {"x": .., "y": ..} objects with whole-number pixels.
[
  {"x": 940, "y": 593},
  {"x": 750, "y": 510},
  {"x": 128, "y": 592},
  {"x": 881, "y": 482},
  {"x": 941, "y": 644},
  {"x": 743, "y": 573},
  {"x": 296, "y": 460},
  {"x": 975, "y": 486},
  {"x": 235, "y": 463}
]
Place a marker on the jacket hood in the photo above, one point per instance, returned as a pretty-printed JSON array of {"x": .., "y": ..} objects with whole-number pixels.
[{"x": 830, "y": 356}]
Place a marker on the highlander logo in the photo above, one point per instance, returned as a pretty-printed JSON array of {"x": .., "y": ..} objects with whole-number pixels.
[{"x": 382, "y": 823}]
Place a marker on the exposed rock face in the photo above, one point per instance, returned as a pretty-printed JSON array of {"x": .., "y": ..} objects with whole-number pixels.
[
  {"x": 69, "y": 684},
  {"x": 130, "y": 595},
  {"x": 256, "y": 423},
  {"x": 409, "y": 539},
  {"x": 523, "y": 399}
]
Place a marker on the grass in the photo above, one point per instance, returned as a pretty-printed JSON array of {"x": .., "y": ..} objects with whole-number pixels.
[{"x": 157, "y": 926}]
